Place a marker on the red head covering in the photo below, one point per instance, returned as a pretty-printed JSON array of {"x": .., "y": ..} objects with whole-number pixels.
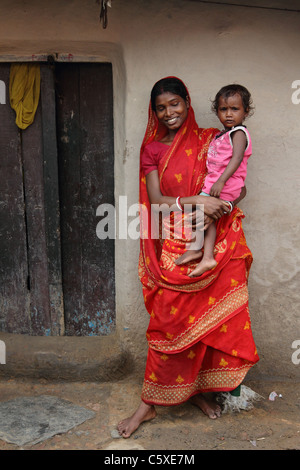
[{"x": 181, "y": 172}]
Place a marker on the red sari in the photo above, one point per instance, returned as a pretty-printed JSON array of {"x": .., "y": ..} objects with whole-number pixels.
[{"x": 199, "y": 333}]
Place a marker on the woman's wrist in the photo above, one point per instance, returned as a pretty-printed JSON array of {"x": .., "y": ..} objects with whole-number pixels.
[
  {"x": 191, "y": 200},
  {"x": 231, "y": 205}
]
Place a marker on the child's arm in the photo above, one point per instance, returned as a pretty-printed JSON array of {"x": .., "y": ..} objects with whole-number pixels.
[{"x": 239, "y": 142}]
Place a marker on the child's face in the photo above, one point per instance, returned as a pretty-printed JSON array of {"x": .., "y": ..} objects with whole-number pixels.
[{"x": 231, "y": 111}]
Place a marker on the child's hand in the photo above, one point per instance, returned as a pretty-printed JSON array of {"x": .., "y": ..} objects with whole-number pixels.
[{"x": 216, "y": 189}]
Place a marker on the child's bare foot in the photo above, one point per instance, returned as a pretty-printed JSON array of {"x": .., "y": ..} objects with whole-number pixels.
[
  {"x": 208, "y": 407},
  {"x": 203, "y": 266},
  {"x": 189, "y": 255},
  {"x": 144, "y": 413}
]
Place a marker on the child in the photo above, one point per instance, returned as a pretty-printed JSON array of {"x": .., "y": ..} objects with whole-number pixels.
[{"x": 226, "y": 164}]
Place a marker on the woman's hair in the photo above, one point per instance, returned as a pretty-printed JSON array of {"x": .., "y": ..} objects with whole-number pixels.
[
  {"x": 168, "y": 85},
  {"x": 230, "y": 90}
]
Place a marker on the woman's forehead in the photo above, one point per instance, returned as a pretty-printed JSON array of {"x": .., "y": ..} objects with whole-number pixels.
[{"x": 167, "y": 97}]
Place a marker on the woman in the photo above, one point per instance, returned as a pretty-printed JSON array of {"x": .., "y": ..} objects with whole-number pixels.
[{"x": 199, "y": 333}]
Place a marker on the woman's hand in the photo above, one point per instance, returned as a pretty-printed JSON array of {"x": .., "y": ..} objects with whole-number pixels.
[
  {"x": 213, "y": 207},
  {"x": 199, "y": 222},
  {"x": 207, "y": 221}
]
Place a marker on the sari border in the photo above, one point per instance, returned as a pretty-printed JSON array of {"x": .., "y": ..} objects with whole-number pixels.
[
  {"x": 214, "y": 380},
  {"x": 229, "y": 305}
]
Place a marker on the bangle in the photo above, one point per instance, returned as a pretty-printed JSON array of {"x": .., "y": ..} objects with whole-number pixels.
[
  {"x": 178, "y": 203},
  {"x": 231, "y": 205}
]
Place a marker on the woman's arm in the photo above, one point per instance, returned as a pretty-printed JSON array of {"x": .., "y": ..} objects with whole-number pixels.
[{"x": 213, "y": 207}]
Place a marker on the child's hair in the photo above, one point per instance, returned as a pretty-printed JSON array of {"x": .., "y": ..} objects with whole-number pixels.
[
  {"x": 230, "y": 90},
  {"x": 171, "y": 85}
]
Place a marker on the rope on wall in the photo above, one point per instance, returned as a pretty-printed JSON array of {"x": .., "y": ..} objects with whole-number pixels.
[{"x": 103, "y": 11}]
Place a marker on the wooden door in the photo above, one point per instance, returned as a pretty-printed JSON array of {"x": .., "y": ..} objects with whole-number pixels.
[
  {"x": 84, "y": 98},
  {"x": 56, "y": 276},
  {"x": 14, "y": 299},
  {"x": 30, "y": 282}
]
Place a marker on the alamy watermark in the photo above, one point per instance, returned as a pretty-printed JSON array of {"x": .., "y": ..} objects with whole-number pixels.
[
  {"x": 296, "y": 94},
  {"x": 2, "y": 92},
  {"x": 2, "y": 352},
  {"x": 296, "y": 354},
  {"x": 165, "y": 222}
]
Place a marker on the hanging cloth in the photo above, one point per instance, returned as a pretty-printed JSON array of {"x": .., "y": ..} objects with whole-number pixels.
[{"x": 24, "y": 92}]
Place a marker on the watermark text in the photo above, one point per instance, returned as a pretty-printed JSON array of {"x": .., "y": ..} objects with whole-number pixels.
[
  {"x": 158, "y": 221},
  {"x": 2, "y": 352},
  {"x": 296, "y": 354},
  {"x": 296, "y": 94},
  {"x": 2, "y": 92}
]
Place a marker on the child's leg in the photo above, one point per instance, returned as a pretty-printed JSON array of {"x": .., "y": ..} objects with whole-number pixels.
[
  {"x": 208, "y": 261},
  {"x": 193, "y": 254},
  {"x": 189, "y": 255}
]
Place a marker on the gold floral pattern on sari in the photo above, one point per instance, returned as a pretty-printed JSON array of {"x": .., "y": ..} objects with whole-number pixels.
[
  {"x": 214, "y": 379},
  {"x": 231, "y": 302}
]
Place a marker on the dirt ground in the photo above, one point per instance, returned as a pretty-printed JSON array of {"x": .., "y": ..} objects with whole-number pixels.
[{"x": 271, "y": 425}]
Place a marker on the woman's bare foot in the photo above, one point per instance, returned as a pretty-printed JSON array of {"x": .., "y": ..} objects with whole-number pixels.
[
  {"x": 144, "y": 413},
  {"x": 203, "y": 266},
  {"x": 189, "y": 255},
  {"x": 209, "y": 407}
]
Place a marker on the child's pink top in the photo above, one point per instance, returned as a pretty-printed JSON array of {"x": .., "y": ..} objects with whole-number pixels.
[{"x": 218, "y": 157}]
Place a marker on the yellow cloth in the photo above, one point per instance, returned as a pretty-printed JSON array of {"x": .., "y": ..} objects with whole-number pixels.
[{"x": 24, "y": 92}]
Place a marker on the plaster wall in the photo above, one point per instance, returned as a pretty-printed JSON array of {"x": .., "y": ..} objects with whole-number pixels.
[{"x": 207, "y": 46}]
